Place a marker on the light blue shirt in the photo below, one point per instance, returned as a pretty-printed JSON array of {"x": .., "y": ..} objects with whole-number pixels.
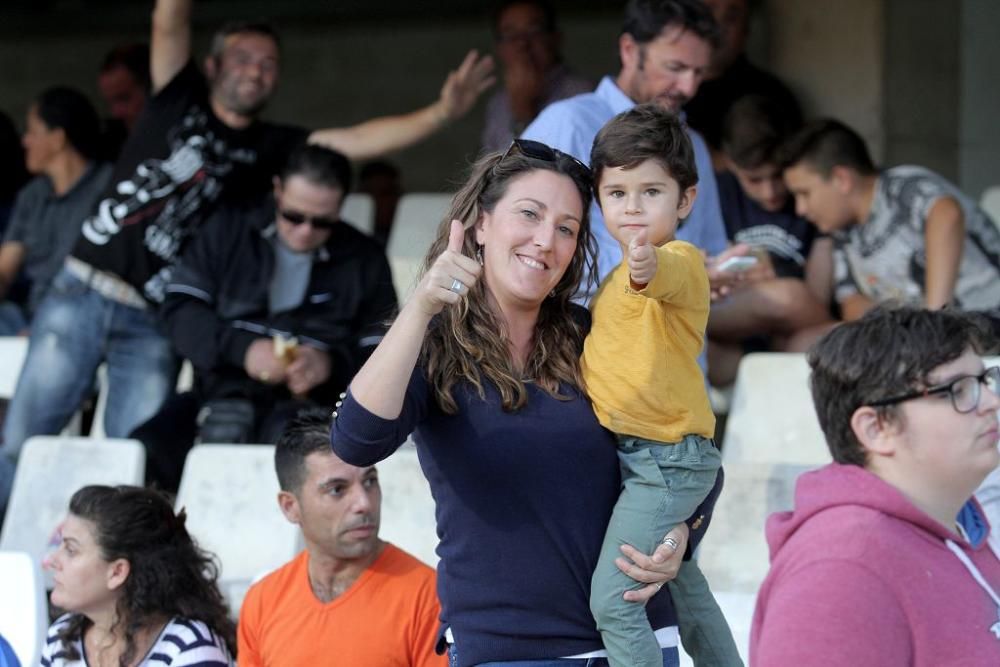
[{"x": 570, "y": 126}]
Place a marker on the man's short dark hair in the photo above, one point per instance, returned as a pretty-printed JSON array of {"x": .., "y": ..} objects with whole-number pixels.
[
  {"x": 754, "y": 130},
  {"x": 645, "y": 132},
  {"x": 889, "y": 351},
  {"x": 239, "y": 28},
  {"x": 321, "y": 165},
  {"x": 132, "y": 57},
  {"x": 543, "y": 6},
  {"x": 825, "y": 144},
  {"x": 306, "y": 433},
  {"x": 646, "y": 19}
]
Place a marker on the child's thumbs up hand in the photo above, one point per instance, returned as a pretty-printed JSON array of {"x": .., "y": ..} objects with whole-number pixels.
[{"x": 641, "y": 260}]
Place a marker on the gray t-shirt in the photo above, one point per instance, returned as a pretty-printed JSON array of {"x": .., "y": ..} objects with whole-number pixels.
[
  {"x": 884, "y": 259},
  {"x": 48, "y": 225},
  {"x": 291, "y": 277}
]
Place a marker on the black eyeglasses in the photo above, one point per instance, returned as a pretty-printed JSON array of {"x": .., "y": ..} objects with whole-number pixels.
[
  {"x": 539, "y": 151},
  {"x": 964, "y": 391},
  {"x": 296, "y": 218}
]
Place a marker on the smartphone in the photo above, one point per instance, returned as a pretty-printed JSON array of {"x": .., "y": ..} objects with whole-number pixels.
[{"x": 738, "y": 263}]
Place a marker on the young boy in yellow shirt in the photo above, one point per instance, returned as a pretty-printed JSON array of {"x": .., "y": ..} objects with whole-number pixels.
[{"x": 640, "y": 364}]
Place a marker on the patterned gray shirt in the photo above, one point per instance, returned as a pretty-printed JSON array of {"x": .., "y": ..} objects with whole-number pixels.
[{"x": 884, "y": 259}]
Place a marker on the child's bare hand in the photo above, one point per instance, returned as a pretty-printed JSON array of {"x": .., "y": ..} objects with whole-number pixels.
[{"x": 641, "y": 259}]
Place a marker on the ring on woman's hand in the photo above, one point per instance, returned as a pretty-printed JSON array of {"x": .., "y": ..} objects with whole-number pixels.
[
  {"x": 456, "y": 286},
  {"x": 671, "y": 542}
]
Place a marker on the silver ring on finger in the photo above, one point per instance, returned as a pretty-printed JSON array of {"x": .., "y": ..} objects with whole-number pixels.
[
  {"x": 456, "y": 286},
  {"x": 671, "y": 542},
  {"x": 659, "y": 586}
]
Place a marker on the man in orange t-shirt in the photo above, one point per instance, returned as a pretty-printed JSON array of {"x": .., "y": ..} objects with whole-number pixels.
[{"x": 349, "y": 598}]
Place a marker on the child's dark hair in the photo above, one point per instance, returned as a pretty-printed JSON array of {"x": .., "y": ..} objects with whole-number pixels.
[
  {"x": 645, "y": 132},
  {"x": 753, "y": 131}
]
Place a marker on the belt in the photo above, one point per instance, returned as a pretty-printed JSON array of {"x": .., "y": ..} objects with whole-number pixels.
[{"x": 106, "y": 284}]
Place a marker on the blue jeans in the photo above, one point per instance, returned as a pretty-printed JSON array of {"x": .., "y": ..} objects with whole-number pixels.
[
  {"x": 12, "y": 320},
  {"x": 670, "y": 659},
  {"x": 74, "y": 330}
]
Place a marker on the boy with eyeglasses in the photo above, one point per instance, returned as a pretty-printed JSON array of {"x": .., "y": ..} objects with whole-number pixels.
[
  {"x": 276, "y": 305},
  {"x": 885, "y": 559}
]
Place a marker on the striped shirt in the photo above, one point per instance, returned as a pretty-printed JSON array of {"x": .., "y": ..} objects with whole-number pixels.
[{"x": 181, "y": 643}]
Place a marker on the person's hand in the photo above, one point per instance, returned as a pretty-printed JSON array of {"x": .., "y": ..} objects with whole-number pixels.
[
  {"x": 450, "y": 277},
  {"x": 261, "y": 364},
  {"x": 762, "y": 270},
  {"x": 310, "y": 369},
  {"x": 641, "y": 260},
  {"x": 463, "y": 86},
  {"x": 656, "y": 569},
  {"x": 723, "y": 282},
  {"x": 525, "y": 84}
]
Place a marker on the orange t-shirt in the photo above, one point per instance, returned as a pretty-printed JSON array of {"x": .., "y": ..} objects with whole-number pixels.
[{"x": 388, "y": 617}]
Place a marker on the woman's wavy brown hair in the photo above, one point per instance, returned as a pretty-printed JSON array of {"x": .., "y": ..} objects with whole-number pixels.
[
  {"x": 169, "y": 575},
  {"x": 469, "y": 341}
]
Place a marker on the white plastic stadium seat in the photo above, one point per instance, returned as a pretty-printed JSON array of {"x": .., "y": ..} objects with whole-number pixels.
[
  {"x": 13, "y": 350},
  {"x": 771, "y": 416},
  {"x": 49, "y": 471},
  {"x": 407, "y": 505},
  {"x": 734, "y": 554},
  {"x": 24, "y": 617},
  {"x": 990, "y": 202},
  {"x": 358, "y": 210},
  {"x": 414, "y": 227},
  {"x": 230, "y": 495}
]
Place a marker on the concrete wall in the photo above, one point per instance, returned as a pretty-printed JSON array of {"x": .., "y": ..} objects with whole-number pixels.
[
  {"x": 979, "y": 137},
  {"x": 830, "y": 54},
  {"x": 922, "y": 84}
]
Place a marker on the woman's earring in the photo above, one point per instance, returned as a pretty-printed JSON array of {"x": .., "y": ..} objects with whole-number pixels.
[
  {"x": 552, "y": 294},
  {"x": 479, "y": 254}
]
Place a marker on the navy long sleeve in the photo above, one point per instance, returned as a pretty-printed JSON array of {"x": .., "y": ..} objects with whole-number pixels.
[{"x": 522, "y": 503}]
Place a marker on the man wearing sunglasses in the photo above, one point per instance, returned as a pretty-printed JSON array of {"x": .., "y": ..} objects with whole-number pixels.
[
  {"x": 885, "y": 559},
  {"x": 276, "y": 306}
]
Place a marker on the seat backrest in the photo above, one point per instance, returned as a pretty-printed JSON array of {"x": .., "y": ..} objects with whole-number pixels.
[
  {"x": 49, "y": 471},
  {"x": 13, "y": 350},
  {"x": 358, "y": 210},
  {"x": 416, "y": 222},
  {"x": 734, "y": 554},
  {"x": 771, "y": 416},
  {"x": 23, "y": 607},
  {"x": 230, "y": 495},
  {"x": 407, "y": 505},
  {"x": 990, "y": 202}
]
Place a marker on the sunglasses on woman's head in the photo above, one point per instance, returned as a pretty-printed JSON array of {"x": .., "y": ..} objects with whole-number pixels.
[
  {"x": 539, "y": 151},
  {"x": 317, "y": 222}
]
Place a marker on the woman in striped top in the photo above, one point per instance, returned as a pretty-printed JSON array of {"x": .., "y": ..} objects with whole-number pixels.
[{"x": 137, "y": 589}]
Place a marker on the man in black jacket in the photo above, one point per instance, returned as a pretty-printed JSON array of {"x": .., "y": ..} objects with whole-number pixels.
[{"x": 276, "y": 305}]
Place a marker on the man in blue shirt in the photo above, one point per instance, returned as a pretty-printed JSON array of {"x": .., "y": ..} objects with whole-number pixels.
[{"x": 665, "y": 48}]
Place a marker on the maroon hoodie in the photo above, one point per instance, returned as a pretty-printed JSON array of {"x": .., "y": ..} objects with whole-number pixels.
[{"x": 862, "y": 578}]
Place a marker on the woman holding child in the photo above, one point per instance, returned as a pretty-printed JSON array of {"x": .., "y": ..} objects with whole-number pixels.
[{"x": 482, "y": 365}]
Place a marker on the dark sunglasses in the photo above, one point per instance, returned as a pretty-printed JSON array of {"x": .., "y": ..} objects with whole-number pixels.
[
  {"x": 539, "y": 151},
  {"x": 296, "y": 218},
  {"x": 964, "y": 391}
]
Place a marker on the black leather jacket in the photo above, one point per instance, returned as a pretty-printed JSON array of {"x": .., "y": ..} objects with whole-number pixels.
[{"x": 216, "y": 302}]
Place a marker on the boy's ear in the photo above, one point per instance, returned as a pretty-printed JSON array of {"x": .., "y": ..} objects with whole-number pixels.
[
  {"x": 843, "y": 179},
  {"x": 874, "y": 431},
  {"x": 686, "y": 201}
]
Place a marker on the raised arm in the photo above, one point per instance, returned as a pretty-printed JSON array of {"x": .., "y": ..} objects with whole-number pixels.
[
  {"x": 375, "y": 137},
  {"x": 944, "y": 238},
  {"x": 11, "y": 259},
  {"x": 380, "y": 385},
  {"x": 170, "y": 43}
]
